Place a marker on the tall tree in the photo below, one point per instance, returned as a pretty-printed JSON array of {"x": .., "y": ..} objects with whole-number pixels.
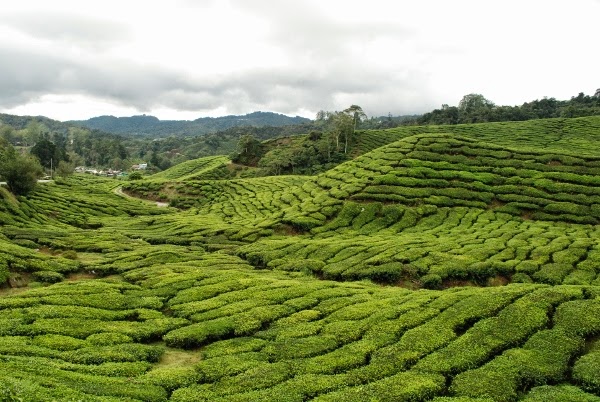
[
  {"x": 35, "y": 132},
  {"x": 343, "y": 126},
  {"x": 47, "y": 152},
  {"x": 7, "y": 132},
  {"x": 357, "y": 114},
  {"x": 473, "y": 102},
  {"x": 249, "y": 150},
  {"x": 19, "y": 171}
]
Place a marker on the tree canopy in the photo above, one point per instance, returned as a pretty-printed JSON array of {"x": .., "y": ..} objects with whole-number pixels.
[
  {"x": 475, "y": 108},
  {"x": 19, "y": 171}
]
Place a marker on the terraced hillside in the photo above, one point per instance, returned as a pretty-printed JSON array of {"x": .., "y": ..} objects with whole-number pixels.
[
  {"x": 437, "y": 267},
  {"x": 210, "y": 167},
  {"x": 577, "y": 136}
]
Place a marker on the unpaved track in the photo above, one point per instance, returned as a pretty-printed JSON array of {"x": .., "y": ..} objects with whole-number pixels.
[{"x": 119, "y": 191}]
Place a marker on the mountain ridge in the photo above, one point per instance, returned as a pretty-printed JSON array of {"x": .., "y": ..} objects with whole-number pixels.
[{"x": 151, "y": 126}]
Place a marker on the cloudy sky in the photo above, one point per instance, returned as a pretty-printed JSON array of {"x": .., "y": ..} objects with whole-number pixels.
[{"x": 184, "y": 59}]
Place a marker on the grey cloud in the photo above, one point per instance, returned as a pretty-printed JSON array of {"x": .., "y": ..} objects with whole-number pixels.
[
  {"x": 26, "y": 76},
  {"x": 326, "y": 67},
  {"x": 74, "y": 29},
  {"x": 303, "y": 30}
]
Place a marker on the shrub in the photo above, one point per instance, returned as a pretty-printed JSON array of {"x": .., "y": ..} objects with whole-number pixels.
[
  {"x": 301, "y": 347},
  {"x": 431, "y": 281},
  {"x": 135, "y": 176},
  {"x": 59, "y": 342},
  {"x": 213, "y": 369},
  {"x": 4, "y": 272},
  {"x": 559, "y": 393},
  {"x": 405, "y": 386},
  {"x": 521, "y": 278},
  {"x": 48, "y": 276},
  {"x": 552, "y": 274},
  {"x": 586, "y": 371},
  {"x": 307, "y": 265},
  {"x": 171, "y": 378},
  {"x": 70, "y": 254},
  {"x": 108, "y": 338}
]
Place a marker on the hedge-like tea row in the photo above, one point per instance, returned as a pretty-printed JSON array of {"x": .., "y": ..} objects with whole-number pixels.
[
  {"x": 284, "y": 335},
  {"x": 156, "y": 304},
  {"x": 432, "y": 247},
  {"x": 210, "y": 167},
  {"x": 579, "y": 136}
]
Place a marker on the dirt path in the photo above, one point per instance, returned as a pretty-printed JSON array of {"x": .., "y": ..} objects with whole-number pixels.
[{"x": 119, "y": 191}]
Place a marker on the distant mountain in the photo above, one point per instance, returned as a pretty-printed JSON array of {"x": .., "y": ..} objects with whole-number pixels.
[
  {"x": 21, "y": 122},
  {"x": 150, "y": 126}
]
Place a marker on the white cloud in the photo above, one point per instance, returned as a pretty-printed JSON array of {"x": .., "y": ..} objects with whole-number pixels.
[{"x": 187, "y": 59}]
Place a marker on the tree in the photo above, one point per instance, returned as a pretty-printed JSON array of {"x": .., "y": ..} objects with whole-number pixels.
[
  {"x": 135, "y": 176},
  {"x": 474, "y": 108},
  {"x": 65, "y": 169},
  {"x": 19, "y": 171},
  {"x": 249, "y": 151},
  {"x": 357, "y": 115},
  {"x": 34, "y": 132},
  {"x": 340, "y": 124},
  {"x": 46, "y": 152},
  {"x": 322, "y": 116},
  {"x": 8, "y": 133},
  {"x": 343, "y": 126},
  {"x": 472, "y": 102}
]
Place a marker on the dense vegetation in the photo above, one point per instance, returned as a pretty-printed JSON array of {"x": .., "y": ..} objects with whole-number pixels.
[
  {"x": 100, "y": 149},
  {"x": 450, "y": 263},
  {"x": 150, "y": 126},
  {"x": 310, "y": 146},
  {"x": 475, "y": 108},
  {"x": 20, "y": 172}
]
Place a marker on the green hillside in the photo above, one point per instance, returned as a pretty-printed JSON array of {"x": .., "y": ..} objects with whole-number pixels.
[
  {"x": 577, "y": 135},
  {"x": 454, "y": 263},
  {"x": 210, "y": 167}
]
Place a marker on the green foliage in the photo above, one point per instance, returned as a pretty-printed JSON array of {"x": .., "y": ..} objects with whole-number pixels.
[
  {"x": 135, "y": 176},
  {"x": 474, "y": 108},
  {"x": 48, "y": 153},
  {"x": 313, "y": 288},
  {"x": 20, "y": 172}
]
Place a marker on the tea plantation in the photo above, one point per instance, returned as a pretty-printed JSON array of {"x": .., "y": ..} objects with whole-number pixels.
[{"x": 454, "y": 263}]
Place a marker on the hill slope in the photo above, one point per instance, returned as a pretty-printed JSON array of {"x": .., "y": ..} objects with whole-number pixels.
[
  {"x": 459, "y": 210},
  {"x": 577, "y": 135},
  {"x": 271, "y": 288}
]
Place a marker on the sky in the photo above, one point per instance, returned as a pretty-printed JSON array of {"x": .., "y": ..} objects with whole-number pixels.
[{"x": 185, "y": 59}]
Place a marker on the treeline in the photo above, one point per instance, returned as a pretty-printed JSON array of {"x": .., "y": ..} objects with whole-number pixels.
[
  {"x": 331, "y": 137},
  {"x": 150, "y": 126},
  {"x": 330, "y": 141},
  {"x": 54, "y": 141},
  {"x": 28, "y": 153},
  {"x": 475, "y": 108},
  {"x": 165, "y": 152}
]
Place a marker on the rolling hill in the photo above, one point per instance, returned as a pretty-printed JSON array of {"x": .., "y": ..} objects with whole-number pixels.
[{"x": 455, "y": 263}]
